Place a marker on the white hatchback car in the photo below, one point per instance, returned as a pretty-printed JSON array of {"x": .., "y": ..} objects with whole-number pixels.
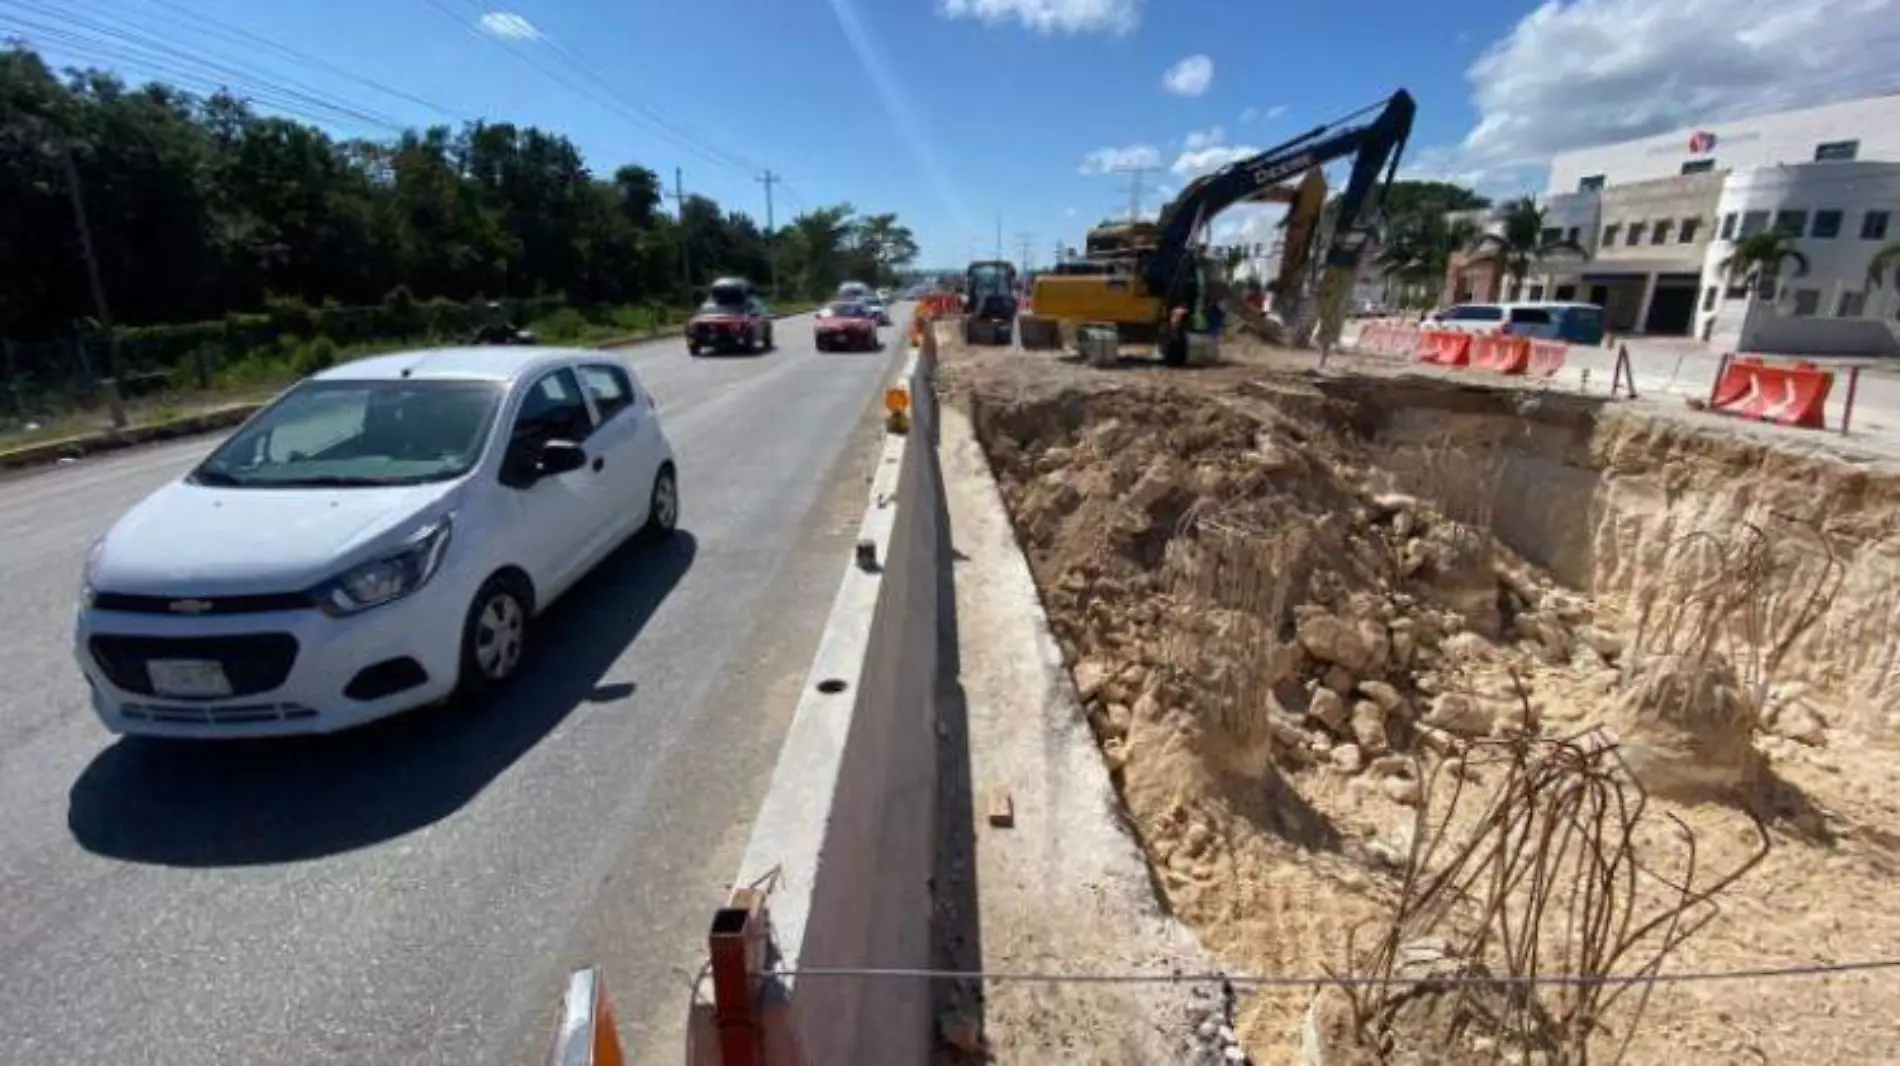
[{"x": 377, "y": 538}]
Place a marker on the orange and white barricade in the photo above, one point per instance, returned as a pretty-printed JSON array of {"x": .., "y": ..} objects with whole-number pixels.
[{"x": 1794, "y": 395}]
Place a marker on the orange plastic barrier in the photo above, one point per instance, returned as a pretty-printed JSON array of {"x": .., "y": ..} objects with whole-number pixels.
[
  {"x": 1785, "y": 395},
  {"x": 1548, "y": 357},
  {"x": 1500, "y": 354},
  {"x": 1445, "y": 348}
]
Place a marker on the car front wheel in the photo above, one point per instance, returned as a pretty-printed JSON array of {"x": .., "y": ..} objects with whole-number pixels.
[
  {"x": 494, "y": 636},
  {"x": 663, "y": 508}
]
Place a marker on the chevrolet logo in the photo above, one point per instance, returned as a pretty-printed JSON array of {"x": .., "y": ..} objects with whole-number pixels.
[{"x": 189, "y": 606}]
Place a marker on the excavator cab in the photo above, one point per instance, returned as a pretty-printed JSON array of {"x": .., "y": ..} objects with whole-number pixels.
[{"x": 989, "y": 302}]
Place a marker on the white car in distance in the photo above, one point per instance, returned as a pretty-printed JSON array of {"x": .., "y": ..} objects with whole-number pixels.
[{"x": 378, "y": 538}]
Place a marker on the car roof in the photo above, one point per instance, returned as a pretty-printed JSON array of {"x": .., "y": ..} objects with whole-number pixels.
[{"x": 486, "y": 363}]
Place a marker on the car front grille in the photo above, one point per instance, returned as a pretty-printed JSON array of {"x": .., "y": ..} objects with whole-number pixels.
[
  {"x": 222, "y": 714},
  {"x": 252, "y": 662},
  {"x": 197, "y": 606}
]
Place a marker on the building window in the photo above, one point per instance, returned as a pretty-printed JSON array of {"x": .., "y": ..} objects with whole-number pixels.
[
  {"x": 1550, "y": 235},
  {"x": 1728, "y": 226},
  {"x": 1689, "y": 228},
  {"x": 1708, "y": 298},
  {"x": 1660, "y": 235},
  {"x": 1851, "y": 305},
  {"x": 1566, "y": 292},
  {"x": 1836, "y": 151},
  {"x": 1754, "y": 222},
  {"x": 1590, "y": 183},
  {"x": 1698, "y": 166},
  {"x": 1737, "y": 287},
  {"x": 1572, "y": 234},
  {"x": 1636, "y": 234},
  {"x": 1536, "y": 293},
  {"x": 1792, "y": 223},
  {"x": 1827, "y": 225},
  {"x": 1873, "y": 226},
  {"x": 1806, "y": 302},
  {"x": 1609, "y": 235}
]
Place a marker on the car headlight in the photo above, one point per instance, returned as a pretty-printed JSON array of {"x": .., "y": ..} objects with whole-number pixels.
[{"x": 389, "y": 578}]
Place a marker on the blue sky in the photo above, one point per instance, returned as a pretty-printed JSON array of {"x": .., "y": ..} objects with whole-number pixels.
[{"x": 953, "y": 112}]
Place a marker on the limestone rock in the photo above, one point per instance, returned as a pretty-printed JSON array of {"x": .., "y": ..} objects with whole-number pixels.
[
  {"x": 1329, "y": 639},
  {"x": 1328, "y": 709},
  {"x": 1687, "y": 727},
  {"x": 1606, "y": 644},
  {"x": 1383, "y": 694},
  {"x": 1347, "y": 758},
  {"x": 1339, "y": 680},
  {"x": 1368, "y": 727},
  {"x": 1389, "y": 765},
  {"x": 1459, "y": 714},
  {"x": 1402, "y": 790},
  {"x": 1090, "y": 676},
  {"x": 1799, "y": 722}
]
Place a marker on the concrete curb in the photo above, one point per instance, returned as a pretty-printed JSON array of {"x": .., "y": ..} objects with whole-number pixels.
[
  {"x": 845, "y": 838},
  {"x": 84, "y": 444},
  {"x": 80, "y": 445}
]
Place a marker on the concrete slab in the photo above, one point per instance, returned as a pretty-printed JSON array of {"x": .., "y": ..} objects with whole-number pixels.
[{"x": 1064, "y": 888}]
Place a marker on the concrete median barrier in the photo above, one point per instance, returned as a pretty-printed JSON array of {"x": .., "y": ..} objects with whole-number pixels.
[{"x": 843, "y": 845}]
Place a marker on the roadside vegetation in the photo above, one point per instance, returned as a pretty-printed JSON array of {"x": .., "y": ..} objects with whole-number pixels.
[{"x": 237, "y": 249}]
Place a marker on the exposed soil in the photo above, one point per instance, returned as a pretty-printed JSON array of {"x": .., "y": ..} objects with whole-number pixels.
[{"x": 1296, "y": 604}]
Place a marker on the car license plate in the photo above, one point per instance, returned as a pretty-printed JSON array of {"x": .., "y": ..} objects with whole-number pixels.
[{"x": 188, "y": 677}]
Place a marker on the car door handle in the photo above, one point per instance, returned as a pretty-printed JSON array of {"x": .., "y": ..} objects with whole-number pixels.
[{"x": 599, "y": 462}]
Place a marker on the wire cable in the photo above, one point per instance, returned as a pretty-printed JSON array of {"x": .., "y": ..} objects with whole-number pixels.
[{"x": 1821, "y": 969}]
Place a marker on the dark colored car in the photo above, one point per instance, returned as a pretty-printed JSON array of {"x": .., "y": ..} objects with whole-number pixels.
[
  {"x": 846, "y": 326},
  {"x": 733, "y": 319}
]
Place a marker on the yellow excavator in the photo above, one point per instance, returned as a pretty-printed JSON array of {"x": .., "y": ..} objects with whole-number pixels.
[{"x": 1146, "y": 279}]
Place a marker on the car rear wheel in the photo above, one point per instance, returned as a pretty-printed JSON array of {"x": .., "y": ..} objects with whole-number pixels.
[
  {"x": 494, "y": 637},
  {"x": 692, "y": 349}
]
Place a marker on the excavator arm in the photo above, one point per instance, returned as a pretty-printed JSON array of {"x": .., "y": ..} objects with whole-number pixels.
[{"x": 1376, "y": 145}]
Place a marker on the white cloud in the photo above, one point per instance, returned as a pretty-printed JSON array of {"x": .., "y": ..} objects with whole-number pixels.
[
  {"x": 1254, "y": 113},
  {"x": 1050, "y": 16},
  {"x": 1586, "y": 72},
  {"x": 1249, "y": 115},
  {"x": 509, "y": 26},
  {"x": 1247, "y": 224},
  {"x": 1110, "y": 160},
  {"x": 1189, "y": 77},
  {"x": 1193, "y": 164},
  {"x": 1207, "y": 138},
  {"x": 1276, "y": 110}
]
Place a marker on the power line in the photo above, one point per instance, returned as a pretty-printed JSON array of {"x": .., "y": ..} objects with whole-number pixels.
[
  {"x": 1135, "y": 173},
  {"x": 132, "y": 45}
]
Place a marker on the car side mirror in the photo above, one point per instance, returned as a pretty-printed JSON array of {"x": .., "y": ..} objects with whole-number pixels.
[{"x": 558, "y": 457}]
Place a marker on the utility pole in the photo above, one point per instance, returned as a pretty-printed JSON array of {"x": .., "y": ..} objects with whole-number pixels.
[
  {"x": 686, "y": 262},
  {"x": 1135, "y": 174},
  {"x": 1024, "y": 240},
  {"x": 768, "y": 179},
  {"x": 999, "y": 235}
]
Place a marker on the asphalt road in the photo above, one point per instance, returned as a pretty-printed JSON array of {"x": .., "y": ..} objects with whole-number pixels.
[{"x": 415, "y": 892}]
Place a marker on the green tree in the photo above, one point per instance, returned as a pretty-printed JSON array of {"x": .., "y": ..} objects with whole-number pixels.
[
  {"x": 1521, "y": 241},
  {"x": 1884, "y": 263},
  {"x": 1758, "y": 258}
]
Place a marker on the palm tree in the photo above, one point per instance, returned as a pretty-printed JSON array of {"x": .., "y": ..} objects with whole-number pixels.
[
  {"x": 1885, "y": 261},
  {"x": 1758, "y": 258},
  {"x": 1519, "y": 243},
  {"x": 1418, "y": 251}
]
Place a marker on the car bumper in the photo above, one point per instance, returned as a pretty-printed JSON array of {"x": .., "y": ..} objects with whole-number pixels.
[{"x": 420, "y": 635}]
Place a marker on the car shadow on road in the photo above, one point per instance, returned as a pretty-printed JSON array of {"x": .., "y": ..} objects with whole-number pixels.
[{"x": 238, "y": 803}]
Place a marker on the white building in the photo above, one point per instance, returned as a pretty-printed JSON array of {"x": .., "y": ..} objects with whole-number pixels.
[{"x": 1659, "y": 216}]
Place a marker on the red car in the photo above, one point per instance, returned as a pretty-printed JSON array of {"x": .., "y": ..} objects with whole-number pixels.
[
  {"x": 733, "y": 319},
  {"x": 846, "y": 326}
]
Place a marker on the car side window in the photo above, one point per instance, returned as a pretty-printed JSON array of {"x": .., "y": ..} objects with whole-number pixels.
[
  {"x": 609, "y": 387},
  {"x": 553, "y": 410},
  {"x": 1535, "y": 316}
]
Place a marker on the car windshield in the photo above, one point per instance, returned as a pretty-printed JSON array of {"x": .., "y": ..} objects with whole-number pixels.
[
  {"x": 845, "y": 310},
  {"x": 725, "y": 301},
  {"x": 347, "y": 434}
]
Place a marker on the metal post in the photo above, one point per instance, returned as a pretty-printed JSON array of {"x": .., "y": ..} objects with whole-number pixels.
[
  {"x": 771, "y": 233},
  {"x": 1853, "y": 387},
  {"x": 1721, "y": 369},
  {"x": 736, "y": 944},
  {"x": 686, "y": 263}
]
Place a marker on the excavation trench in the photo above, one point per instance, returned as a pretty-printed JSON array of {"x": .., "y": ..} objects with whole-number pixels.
[{"x": 1288, "y": 602}]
